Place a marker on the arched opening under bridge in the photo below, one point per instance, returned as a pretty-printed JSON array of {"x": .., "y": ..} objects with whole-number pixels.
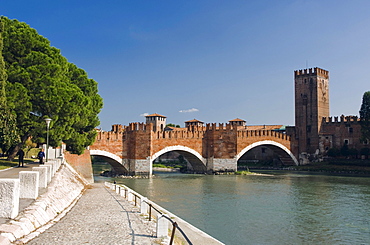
[
  {"x": 189, "y": 160},
  {"x": 265, "y": 154},
  {"x": 114, "y": 161}
]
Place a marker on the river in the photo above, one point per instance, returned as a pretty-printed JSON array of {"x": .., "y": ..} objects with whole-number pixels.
[{"x": 285, "y": 208}]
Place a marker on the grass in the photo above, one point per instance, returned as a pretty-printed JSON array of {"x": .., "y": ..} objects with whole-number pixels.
[
  {"x": 243, "y": 173},
  {"x": 4, "y": 164}
]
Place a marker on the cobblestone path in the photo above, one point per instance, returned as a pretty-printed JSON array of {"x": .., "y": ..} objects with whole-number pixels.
[{"x": 100, "y": 217}]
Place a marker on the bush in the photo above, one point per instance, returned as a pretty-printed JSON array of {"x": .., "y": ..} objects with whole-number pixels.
[
  {"x": 333, "y": 152},
  {"x": 365, "y": 151}
]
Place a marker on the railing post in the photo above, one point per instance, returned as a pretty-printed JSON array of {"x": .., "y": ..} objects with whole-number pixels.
[
  {"x": 162, "y": 226},
  {"x": 144, "y": 205},
  {"x": 9, "y": 201},
  {"x": 29, "y": 184},
  {"x": 150, "y": 212},
  {"x": 174, "y": 226},
  {"x": 129, "y": 196}
]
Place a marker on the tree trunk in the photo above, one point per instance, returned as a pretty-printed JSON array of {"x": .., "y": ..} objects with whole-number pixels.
[{"x": 15, "y": 150}]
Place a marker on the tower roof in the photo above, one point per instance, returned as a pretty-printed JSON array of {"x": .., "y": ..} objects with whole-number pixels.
[
  {"x": 237, "y": 120},
  {"x": 194, "y": 120},
  {"x": 155, "y": 115}
]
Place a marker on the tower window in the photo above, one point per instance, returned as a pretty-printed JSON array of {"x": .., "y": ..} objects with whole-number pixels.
[{"x": 346, "y": 142}]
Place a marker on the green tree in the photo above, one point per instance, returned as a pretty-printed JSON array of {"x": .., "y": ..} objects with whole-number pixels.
[
  {"x": 172, "y": 125},
  {"x": 365, "y": 116},
  {"x": 8, "y": 132},
  {"x": 42, "y": 83}
]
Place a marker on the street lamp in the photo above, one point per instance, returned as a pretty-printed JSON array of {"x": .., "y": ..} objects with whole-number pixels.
[{"x": 47, "y": 120}]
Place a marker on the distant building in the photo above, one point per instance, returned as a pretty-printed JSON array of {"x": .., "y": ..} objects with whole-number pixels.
[
  {"x": 315, "y": 131},
  {"x": 158, "y": 121},
  {"x": 194, "y": 122}
]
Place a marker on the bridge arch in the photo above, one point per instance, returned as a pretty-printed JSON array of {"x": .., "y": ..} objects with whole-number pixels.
[
  {"x": 271, "y": 143},
  {"x": 196, "y": 160},
  {"x": 114, "y": 160}
]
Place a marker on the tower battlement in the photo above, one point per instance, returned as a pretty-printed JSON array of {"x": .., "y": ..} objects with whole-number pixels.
[
  {"x": 341, "y": 119},
  {"x": 312, "y": 71}
]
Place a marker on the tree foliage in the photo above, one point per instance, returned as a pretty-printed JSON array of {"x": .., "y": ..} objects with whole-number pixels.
[
  {"x": 173, "y": 125},
  {"x": 365, "y": 116},
  {"x": 8, "y": 131},
  {"x": 42, "y": 83}
]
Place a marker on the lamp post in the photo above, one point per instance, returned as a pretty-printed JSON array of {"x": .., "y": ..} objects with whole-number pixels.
[{"x": 47, "y": 120}]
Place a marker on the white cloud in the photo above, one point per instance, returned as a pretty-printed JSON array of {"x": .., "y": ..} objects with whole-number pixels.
[
  {"x": 144, "y": 114},
  {"x": 189, "y": 110}
]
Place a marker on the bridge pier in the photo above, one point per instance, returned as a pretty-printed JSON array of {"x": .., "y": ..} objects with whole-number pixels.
[
  {"x": 221, "y": 164},
  {"x": 138, "y": 166}
]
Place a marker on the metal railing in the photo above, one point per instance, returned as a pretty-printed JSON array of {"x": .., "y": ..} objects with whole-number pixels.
[{"x": 150, "y": 213}]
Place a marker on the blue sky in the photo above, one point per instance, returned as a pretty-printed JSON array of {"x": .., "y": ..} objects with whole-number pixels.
[{"x": 210, "y": 60}]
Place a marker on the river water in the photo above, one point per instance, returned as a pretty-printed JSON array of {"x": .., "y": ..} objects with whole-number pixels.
[{"x": 285, "y": 208}]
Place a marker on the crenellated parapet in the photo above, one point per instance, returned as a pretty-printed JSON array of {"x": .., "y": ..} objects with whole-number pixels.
[
  {"x": 263, "y": 133},
  {"x": 312, "y": 71},
  {"x": 188, "y": 134},
  {"x": 220, "y": 127},
  {"x": 109, "y": 135},
  {"x": 138, "y": 126},
  {"x": 341, "y": 119}
]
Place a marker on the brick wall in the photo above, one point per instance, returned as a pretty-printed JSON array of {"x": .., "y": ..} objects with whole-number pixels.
[{"x": 81, "y": 163}]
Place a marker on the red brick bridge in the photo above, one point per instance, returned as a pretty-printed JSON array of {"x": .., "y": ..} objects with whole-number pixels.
[{"x": 211, "y": 148}]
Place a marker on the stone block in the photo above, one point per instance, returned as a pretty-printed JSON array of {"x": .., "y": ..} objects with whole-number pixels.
[
  {"x": 43, "y": 181},
  {"x": 29, "y": 184},
  {"x": 31, "y": 217},
  {"x": 27, "y": 223},
  {"x": 49, "y": 173},
  {"x": 144, "y": 207},
  {"x": 4, "y": 240},
  {"x": 24, "y": 228},
  {"x": 9, "y": 198},
  {"x": 162, "y": 226},
  {"x": 52, "y": 165},
  {"x": 15, "y": 231},
  {"x": 130, "y": 196}
]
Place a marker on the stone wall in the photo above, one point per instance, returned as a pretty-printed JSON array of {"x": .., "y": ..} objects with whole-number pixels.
[
  {"x": 82, "y": 164},
  {"x": 337, "y": 131}
]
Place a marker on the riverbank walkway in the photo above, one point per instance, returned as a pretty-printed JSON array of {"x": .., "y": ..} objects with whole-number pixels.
[
  {"x": 99, "y": 217},
  {"x": 12, "y": 173}
]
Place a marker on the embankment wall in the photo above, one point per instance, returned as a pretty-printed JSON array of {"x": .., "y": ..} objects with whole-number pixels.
[
  {"x": 82, "y": 164},
  {"x": 63, "y": 191}
]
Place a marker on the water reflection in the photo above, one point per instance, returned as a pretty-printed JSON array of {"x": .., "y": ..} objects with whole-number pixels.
[{"x": 282, "y": 209}]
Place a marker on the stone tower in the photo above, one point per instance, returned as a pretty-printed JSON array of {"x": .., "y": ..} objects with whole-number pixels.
[
  {"x": 311, "y": 105},
  {"x": 158, "y": 121}
]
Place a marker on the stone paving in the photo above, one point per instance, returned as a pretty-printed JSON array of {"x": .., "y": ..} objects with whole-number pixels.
[
  {"x": 12, "y": 173},
  {"x": 99, "y": 217}
]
